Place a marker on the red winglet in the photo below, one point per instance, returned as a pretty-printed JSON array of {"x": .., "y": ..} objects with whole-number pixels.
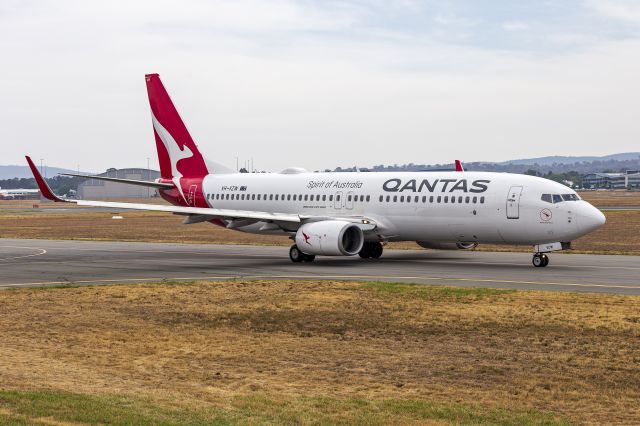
[
  {"x": 459, "y": 166},
  {"x": 42, "y": 184}
]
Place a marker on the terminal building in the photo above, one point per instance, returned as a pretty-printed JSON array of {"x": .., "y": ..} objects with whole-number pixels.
[
  {"x": 92, "y": 189},
  {"x": 627, "y": 180}
]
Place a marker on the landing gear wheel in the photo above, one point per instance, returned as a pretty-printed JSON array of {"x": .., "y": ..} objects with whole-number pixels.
[
  {"x": 376, "y": 250},
  {"x": 308, "y": 257},
  {"x": 540, "y": 260},
  {"x": 545, "y": 260},
  {"x": 295, "y": 254},
  {"x": 365, "y": 251}
]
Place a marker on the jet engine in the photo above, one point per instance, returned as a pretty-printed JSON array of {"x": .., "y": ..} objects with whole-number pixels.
[
  {"x": 447, "y": 246},
  {"x": 330, "y": 238}
]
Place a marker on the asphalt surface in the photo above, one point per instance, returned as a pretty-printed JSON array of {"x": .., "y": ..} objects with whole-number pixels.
[{"x": 32, "y": 263}]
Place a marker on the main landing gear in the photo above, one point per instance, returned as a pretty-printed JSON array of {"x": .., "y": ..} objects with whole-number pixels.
[
  {"x": 297, "y": 256},
  {"x": 371, "y": 250},
  {"x": 540, "y": 260}
]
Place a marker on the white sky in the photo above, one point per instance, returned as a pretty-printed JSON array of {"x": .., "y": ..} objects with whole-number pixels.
[{"x": 319, "y": 84}]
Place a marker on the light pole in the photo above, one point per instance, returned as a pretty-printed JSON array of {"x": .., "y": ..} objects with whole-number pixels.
[
  {"x": 148, "y": 177},
  {"x": 237, "y": 168}
]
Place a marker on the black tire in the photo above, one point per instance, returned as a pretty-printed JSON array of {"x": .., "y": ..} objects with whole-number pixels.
[
  {"x": 365, "y": 251},
  {"x": 308, "y": 257},
  {"x": 545, "y": 260},
  {"x": 376, "y": 250},
  {"x": 538, "y": 261},
  {"x": 295, "y": 254}
]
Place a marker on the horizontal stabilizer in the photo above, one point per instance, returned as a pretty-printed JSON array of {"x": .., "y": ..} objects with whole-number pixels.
[{"x": 159, "y": 185}]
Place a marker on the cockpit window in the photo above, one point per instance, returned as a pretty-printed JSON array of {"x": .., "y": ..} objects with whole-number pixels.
[
  {"x": 557, "y": 198},
  {"x": 569, "y": 197}
]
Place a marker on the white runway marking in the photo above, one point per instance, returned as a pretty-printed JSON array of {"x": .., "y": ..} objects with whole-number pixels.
[
  {"x": 322, "y": 277},
  {"x": 41, "y": 252}
]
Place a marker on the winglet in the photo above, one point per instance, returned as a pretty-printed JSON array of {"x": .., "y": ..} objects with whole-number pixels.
[
  {"x": 459, "y": 166},
  {"x": 42, "y": 184}
]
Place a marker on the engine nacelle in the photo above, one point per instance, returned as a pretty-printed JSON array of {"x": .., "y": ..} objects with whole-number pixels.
[
  {"x": 447, "y": 246},
  {"x": 330, "y": 238}
]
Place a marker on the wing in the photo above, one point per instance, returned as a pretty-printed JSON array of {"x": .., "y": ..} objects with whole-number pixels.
[
  {"x": 197, "y": 214},
  {"x": 159, "y": 185}
]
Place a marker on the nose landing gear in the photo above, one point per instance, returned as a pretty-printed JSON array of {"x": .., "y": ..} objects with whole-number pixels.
[{"x": 540, "y": 260}]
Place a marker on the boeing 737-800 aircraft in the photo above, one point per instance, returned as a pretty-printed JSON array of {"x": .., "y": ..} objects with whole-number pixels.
[{"x": 348, "y": 214}]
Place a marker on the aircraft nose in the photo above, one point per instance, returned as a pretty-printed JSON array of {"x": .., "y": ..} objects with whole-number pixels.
[{"x": 590, "y": 218}]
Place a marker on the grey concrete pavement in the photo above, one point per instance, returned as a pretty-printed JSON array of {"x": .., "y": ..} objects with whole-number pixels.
[{"x": 25, "y": 263}]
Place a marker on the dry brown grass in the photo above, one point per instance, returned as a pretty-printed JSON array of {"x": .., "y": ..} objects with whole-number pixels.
[
  {"x": 204, "y": 344},
  {"x": 612, "y": 198}
]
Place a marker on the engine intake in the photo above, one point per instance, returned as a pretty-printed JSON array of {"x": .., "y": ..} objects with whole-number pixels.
[{"x": 330, "y": 238}]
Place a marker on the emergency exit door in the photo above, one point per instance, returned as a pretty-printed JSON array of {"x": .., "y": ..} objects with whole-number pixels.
[{"x": 513, "y": 202}]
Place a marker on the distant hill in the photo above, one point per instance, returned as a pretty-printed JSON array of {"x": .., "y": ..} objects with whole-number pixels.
[
  {"x": 546, "y": 161},
  {"x": 21, "y": 172},
  {"x": 541, "y": 165}
]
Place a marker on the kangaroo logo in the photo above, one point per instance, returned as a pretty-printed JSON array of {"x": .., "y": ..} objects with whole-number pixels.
[
  {"x": 306, "y": 238},
  {"x": 175, "y": 153}
]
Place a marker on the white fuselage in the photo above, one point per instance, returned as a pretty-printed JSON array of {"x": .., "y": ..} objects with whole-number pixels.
[{"x": 477, "y": 207}]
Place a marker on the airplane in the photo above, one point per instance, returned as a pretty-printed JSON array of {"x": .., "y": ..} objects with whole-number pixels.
[
  {"x": 355, "y": 213},
  {"x": 18, "y": 193}
]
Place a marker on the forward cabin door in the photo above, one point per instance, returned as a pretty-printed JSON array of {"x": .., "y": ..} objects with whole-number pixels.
[{"x": 513, "y": 202}]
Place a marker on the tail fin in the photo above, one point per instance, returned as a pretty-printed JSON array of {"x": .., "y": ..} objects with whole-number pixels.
[{"x": 177, "y": 153}]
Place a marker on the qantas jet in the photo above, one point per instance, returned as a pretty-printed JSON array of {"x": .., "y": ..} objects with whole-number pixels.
[{"x": 348, "y": 214}]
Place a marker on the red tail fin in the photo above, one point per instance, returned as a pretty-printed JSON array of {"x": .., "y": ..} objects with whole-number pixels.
[
  {"x": 177, "y": 153},
  {"x": 459, "y": 167}
]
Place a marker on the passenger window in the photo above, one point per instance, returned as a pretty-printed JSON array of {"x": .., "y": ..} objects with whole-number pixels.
[
  {"x": 395, "y": 198},
  {"x": 431, "y": 198},
  {"x": 337, "y": 197},
  {"x": 276, "y": 197},
  {"x": 388, "y": 198},
  {"x": 475, "y": 200},
  {"x": 242, "y": 196},
  {"x": 409, "y": 199},
  {"x": 330, "y": 197},
  {"x": 557, "y": 198},
  {"x": 460, "y": 199},
  {"x": 324, "y": 197},
  {"x": 402, "y": 199},
  {"x": 311, "y": 197},
  {"x": 439, "y": 198},
  {"x": 481, "y": 200},
  {"x": 282, "y": 198},
  {"x": 381, "y": 198},
  {"x": 288, "y": 197},
  {"x": 424, "y": 198},
  {"x": 258, "y": 197},
  {"x": 446, "y": 198},
  {"x": 306, "y": 197},
  {"x": 270, "y": 197},
  {"x": 368, "y": 198},
  {"x": 467, "y": 199},
  {"x": 294, "y": 197},
  {"x": 453, "y": 199}
]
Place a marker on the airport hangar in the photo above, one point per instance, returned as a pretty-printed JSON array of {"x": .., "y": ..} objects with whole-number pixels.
[{"x": 98, "y": 189}]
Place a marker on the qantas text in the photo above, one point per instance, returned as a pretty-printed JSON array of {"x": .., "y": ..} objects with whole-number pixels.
[{"x": 436, "y": 185}]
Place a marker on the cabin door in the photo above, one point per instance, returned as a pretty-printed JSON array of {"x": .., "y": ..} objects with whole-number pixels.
[{"x": 513, "y": 202}]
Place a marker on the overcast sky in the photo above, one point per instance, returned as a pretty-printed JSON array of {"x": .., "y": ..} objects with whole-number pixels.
[{"x": 319, "y": 84}]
